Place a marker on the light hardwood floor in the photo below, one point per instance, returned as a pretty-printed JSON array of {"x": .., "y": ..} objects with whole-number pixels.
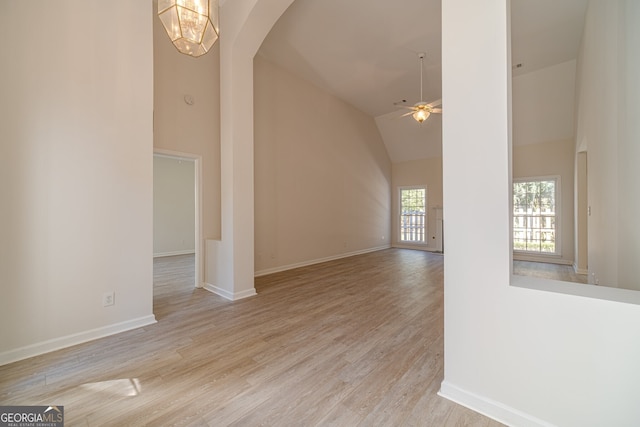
[
  {"x": 548, "y": 271},
  {"x": 353, "y": 342}
]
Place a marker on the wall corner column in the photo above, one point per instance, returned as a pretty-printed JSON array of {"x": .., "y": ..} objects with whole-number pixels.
[{"x": 243, "y": 26}]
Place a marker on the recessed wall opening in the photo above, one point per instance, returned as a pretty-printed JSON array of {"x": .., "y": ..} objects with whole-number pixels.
[
  {"x": 543, "y": 139},
  {"x": 556, "y": 119}
]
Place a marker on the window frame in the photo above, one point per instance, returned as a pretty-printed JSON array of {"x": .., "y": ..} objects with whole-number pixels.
[
  {"x": 558, "y": 216},
  {"x": 425, "y": 240}
]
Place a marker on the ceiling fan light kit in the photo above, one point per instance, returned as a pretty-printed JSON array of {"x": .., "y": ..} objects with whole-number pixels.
[{"x": 421, "y": 114}]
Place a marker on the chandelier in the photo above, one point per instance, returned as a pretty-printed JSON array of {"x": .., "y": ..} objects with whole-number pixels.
[{"x": 192, "y": 25}]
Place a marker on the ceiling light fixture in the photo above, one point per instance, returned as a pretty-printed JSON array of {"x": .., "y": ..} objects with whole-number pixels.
[
  {"x": 192, "y": 25},
  {"x": 422, "y": 110}
]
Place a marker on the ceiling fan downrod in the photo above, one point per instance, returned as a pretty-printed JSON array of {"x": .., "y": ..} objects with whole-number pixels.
[{"x": 421, "y": 55}]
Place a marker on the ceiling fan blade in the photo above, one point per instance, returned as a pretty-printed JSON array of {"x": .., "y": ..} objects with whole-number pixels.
[
  {"x": 435, "y": 103},
  {"x": 407, "y": 107},
  {"x": 436, "y": 110},
  {"x": 407, "y": 114}
]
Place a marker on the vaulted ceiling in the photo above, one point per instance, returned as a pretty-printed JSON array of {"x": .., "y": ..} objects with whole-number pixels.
[{"x": 365, "y": 52}]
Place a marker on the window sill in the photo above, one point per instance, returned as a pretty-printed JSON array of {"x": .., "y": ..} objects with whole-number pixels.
[{"x": 538, "y": 257}]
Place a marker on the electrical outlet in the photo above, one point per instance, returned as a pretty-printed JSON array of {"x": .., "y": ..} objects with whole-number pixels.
[{"x": 108, "y": 299}]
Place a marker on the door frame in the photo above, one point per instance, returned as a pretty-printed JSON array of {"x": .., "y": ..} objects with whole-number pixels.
[{"x": 199, "y": 241}]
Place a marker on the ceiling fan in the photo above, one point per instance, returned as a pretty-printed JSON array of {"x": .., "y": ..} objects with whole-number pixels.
[{"x": 421, "y": 110}]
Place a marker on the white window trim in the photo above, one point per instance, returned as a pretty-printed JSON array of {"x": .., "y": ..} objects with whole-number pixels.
[
  {"x": 558, "y": 252},
  {"x": 426, "y": 215}
]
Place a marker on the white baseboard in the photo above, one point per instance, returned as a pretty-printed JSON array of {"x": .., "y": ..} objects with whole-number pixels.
[
  {"x": 174, "y": 253},
  {"x": 417, "y": 248},
  {"x": 490, "y": 408},
  {"x": 318, "y": 261},
  {"x": 229, "y": 295},
  {"x": 550, "y": 259},
  {"x": 74, "y": 339}
]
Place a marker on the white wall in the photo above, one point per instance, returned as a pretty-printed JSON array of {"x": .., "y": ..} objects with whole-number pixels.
[
  {"x": 629, "y": 148},
  {"x": 418, "y": 172},
  {"x": 174, "y": 201},
  {"x": 76, "y": 172},
  {"x": 522, "y": 355},
  {"x": 322, "y": 174},
  {"x": 608, "y": 95}
]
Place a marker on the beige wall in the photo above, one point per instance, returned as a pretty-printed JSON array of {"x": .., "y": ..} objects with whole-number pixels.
[
  {"x": 543, "y": 104},
  {"x": 192, "y": 129},
  {"x": 609, "y": 66},
  {"x": 173, "y": 206},
  {"x": 76, "y": 165},
  {"x": 543, "y": 130},
  {"x": 322, "y": 174},
  {"x": 418, "y": 172},
  {"x": 546, "y": 159}
]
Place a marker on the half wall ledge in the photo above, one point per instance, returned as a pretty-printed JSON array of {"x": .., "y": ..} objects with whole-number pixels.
[{"x": 577, "y": 289}]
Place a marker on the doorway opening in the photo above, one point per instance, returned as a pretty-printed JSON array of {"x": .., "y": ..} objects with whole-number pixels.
[{"x": 177, "y": 226}]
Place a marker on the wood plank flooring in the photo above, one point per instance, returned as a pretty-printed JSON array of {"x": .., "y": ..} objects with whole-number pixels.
[
  {"x": 548, "y": 271},
  {"x": 352, "y": 342}
]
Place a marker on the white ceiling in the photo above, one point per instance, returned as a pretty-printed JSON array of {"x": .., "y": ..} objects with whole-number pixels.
[{"x": 365, "y": 52}]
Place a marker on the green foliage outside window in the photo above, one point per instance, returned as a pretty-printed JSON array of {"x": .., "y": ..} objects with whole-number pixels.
[
  {"x": 534, "y": 216},
  {"x": 413, "y": 214}
]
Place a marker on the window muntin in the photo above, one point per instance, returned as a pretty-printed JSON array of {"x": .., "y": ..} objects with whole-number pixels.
[
  {"x": 413, "y": 214},
  {"x": 535, "y": 215}
]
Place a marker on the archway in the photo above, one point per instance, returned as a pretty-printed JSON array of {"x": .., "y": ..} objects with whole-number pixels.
[{"x": 244, "y": 25}]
